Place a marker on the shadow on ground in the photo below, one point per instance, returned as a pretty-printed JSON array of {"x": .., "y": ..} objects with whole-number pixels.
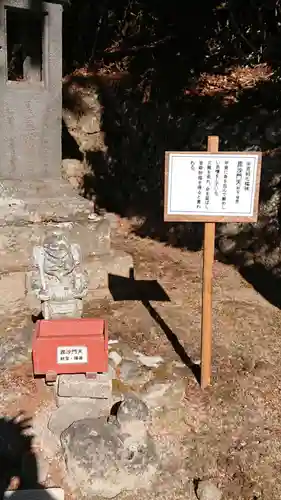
[
  {"x": 17, "y": 458},
  {"x": 147, "y": 291}
]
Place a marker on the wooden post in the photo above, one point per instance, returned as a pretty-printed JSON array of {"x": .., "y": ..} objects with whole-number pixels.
[{"x": 208, "y": 260}]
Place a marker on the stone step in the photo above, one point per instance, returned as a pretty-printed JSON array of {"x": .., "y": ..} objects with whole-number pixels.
[
  {"x": 17, "y": 242},
  {"x": 24, "y": 202},
  {"x": 14, "y": 285}
]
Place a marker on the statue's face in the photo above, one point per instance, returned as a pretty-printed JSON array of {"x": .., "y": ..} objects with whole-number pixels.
[{"x": 56, "y": 246}]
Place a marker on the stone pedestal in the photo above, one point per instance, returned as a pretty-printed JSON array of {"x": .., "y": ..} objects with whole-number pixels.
[
  {"x": 80, "y": 387},
  {"x": 29, "y": 211}
]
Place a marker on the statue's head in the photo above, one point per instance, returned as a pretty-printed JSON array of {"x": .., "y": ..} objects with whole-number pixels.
[{"x": 56, "y": 245}]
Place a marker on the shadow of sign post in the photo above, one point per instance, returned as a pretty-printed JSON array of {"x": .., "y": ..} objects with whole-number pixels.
[{"x": 147, "y": 291}]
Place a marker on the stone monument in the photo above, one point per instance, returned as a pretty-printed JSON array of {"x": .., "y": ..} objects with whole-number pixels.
[
  {"x": 58, "y": 280},
  {"x": 34, "y": 200},
  {"x": 30, "y": 88}
]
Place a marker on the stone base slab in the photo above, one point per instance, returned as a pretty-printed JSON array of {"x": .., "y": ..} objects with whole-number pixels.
[
  {"x": 79, "y": 386},
  {"x": 40, "y": 201},
  {"x": 73, "y": 409}
]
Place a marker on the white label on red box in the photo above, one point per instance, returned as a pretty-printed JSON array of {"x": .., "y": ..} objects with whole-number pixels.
[{"x": 70, "y": 355}]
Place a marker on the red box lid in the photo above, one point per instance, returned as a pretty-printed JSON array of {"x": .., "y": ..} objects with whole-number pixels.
[{"x": 70, "y": 327}]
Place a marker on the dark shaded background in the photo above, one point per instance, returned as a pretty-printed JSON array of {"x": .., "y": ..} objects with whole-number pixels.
[{"x": 160, "y": 50}]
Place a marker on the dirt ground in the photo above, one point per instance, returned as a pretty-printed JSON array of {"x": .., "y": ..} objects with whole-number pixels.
[{"x": 229, "y": 432}]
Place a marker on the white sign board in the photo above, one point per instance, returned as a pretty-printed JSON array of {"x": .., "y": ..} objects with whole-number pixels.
[
  {"x": 212, "y": 186},
  {"x": 68, "y": 355}
]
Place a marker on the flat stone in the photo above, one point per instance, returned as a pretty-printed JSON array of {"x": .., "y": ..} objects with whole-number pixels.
[
  {"x": 77, "y": 409},
  {"x": 35, "y": 494},
  {"x": 207, "y": 490},
  {"x": 149, "y": 361},
  {"x": 168, "y": 394},
  {"x": 81, "y": 387}
]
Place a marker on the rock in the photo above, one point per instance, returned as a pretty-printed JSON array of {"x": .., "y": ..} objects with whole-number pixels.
[
  {"x": 132, "y": 408},
  {"x": 132, "y": 373},
  {"x": 77, "y": 385},
  {"x": 89, "y": 124},
  {"x": 75, "y": 410},
  {"x": 164, "y": 394},
  {"x": 149, "y": 361},
  {"x": 102, "y": 461},
  {"x": 91, "y": 142},
  {"x": 72, "y": 168},
  {"x": 207, "y": 490},
  {"x": 115, "y": 357}
]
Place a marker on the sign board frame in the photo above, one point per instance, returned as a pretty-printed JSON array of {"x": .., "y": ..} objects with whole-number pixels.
[
  {"x": 209, "y": 246},
  {"x": 212, "y": 218}
]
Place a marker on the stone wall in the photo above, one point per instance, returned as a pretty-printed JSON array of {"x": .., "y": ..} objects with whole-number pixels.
[{"x": 84, "y": 124}]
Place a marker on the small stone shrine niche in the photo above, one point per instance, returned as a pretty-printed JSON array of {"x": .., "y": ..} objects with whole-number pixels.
[
  {"x": 30, "y": 88},
  {"x": 58, "y": 280}
]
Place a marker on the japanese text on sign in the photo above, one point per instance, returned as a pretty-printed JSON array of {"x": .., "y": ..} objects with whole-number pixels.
[
  {"x": 72, "y": 355},
  {"x": 221, "y": 184}
]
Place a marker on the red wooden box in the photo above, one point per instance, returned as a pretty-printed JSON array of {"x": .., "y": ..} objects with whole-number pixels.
[{"x": 70, "y": 346}]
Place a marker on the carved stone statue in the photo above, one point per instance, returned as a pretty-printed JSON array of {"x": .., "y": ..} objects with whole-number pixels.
[{"x": 58, "y": 280}]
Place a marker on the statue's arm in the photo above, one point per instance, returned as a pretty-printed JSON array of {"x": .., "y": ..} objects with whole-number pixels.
[
  {"x": 37, "y": 276},
  {"x": 81, "y": 279}
]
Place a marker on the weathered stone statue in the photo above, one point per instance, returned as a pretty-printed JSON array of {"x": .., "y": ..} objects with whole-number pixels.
[{"x": 58, "y": 280}]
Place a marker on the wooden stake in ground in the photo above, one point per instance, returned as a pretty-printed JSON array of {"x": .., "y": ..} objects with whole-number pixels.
[{"x": 208, "y": 260}]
